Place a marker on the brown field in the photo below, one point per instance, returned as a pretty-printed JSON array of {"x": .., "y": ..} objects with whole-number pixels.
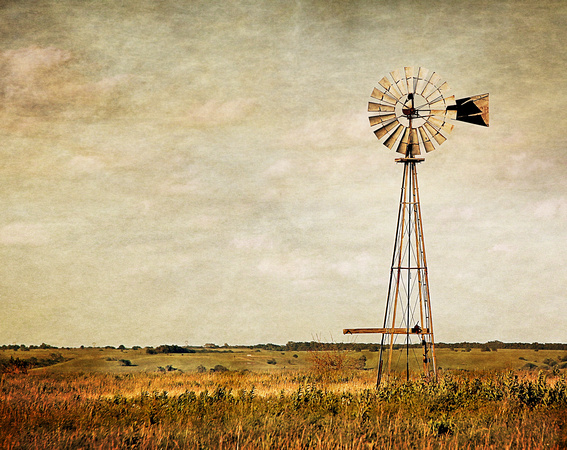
[{"x": 481, "y": 400}]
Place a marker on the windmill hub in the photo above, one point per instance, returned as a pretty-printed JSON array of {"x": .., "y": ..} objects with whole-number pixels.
[{"x": 412, "y": 108}]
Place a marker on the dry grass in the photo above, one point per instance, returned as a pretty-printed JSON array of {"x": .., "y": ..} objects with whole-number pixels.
[{"x": 282, "y": 409}]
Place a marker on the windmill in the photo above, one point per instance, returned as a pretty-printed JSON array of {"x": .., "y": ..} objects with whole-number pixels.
[{"x": 412, "y": 111}]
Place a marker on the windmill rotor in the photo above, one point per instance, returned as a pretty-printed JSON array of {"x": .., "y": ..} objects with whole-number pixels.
[{"x": 412, "y": 110}]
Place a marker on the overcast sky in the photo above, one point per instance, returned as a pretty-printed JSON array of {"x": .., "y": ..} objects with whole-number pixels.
[{"x": 200, "y": 171}]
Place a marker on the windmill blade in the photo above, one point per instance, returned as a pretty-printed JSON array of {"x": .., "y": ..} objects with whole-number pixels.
[
  {"x": 425, "y": 139},
  {"x": 473, "y": 110},
  {"x": 399, "y": 82},
  {"x": 435, "y": 134},
  {"x": 376, "y": 107},
  {"x": 430, "y": 86},
  {"x": 439, "y": 101},
  {"x": 394, "y": 136},
  {"x": 441, "y": 125},
  {"x": 384, "y": 97},
  {"x": 421, "y": 81},
  {"x": 413, "y": 145},
  {"x": 444, "y": 88},
  {"x": 377, "y": 120},
  {"x": 403, "y": 145},
  {"x": 390, "y": 88},
  {"x": 409, "y": 79},
  {"x": 446, "y": 113},
  {"x": 440, "y": 113},
  {"x": 385, "y": 129}
]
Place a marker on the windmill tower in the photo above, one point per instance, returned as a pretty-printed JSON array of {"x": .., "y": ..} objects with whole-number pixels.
[{"x": 412, "y": 112}]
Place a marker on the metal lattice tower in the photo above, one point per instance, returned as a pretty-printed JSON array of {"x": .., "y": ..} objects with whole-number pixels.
[{"x": 412, "y": 112}]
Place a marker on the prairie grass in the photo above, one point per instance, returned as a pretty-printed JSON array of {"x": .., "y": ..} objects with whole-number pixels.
[{"x": 282, "y": 410}]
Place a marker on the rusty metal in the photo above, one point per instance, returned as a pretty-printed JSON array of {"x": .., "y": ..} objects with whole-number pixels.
[{"x": 414, "y": 330}]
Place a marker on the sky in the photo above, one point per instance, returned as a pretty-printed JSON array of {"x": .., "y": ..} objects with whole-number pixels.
[{"x": 194, "y": 171}]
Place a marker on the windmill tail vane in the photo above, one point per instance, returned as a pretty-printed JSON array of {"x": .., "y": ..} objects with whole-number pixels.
[{"x": 412, "y": 112}]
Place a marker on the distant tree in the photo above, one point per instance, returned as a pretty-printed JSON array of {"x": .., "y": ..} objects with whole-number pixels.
[{"x": 173, "y": 349}]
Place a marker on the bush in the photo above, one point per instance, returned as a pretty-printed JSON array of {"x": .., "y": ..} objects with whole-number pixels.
[
  {"x": 219, "y": 368},
  {"x": 201, "y": 369},
  {"x": 272, "y": 361},
  {"x": 331, "y": 365},
  {"x": 125, "y": 362},
  {"x": 173, "y": 349},
  {"x": 361, "y": 363}
]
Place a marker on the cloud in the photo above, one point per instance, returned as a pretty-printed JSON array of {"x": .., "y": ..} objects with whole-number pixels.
[
  {"x": 551, "y": 208},
  {"x": 362, "y": 264},
  {"x": 291, "y": 266},
  {"x": 22, "y": 233},
  {"x": 255, "y": 242},
  {"x": 215, "y": 112},
  {"x": 85, "y": 165},
  {"x": 502, "y": 248},
  {"x": 279, "y": 168},
  {"x": 44, "y": 81},
  {"x": 329, "y": 132}
]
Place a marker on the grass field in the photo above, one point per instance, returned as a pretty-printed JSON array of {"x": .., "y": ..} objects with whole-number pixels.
[
  {"x": 107, "y": 360},
  {"x": 91, "y": 400}
]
